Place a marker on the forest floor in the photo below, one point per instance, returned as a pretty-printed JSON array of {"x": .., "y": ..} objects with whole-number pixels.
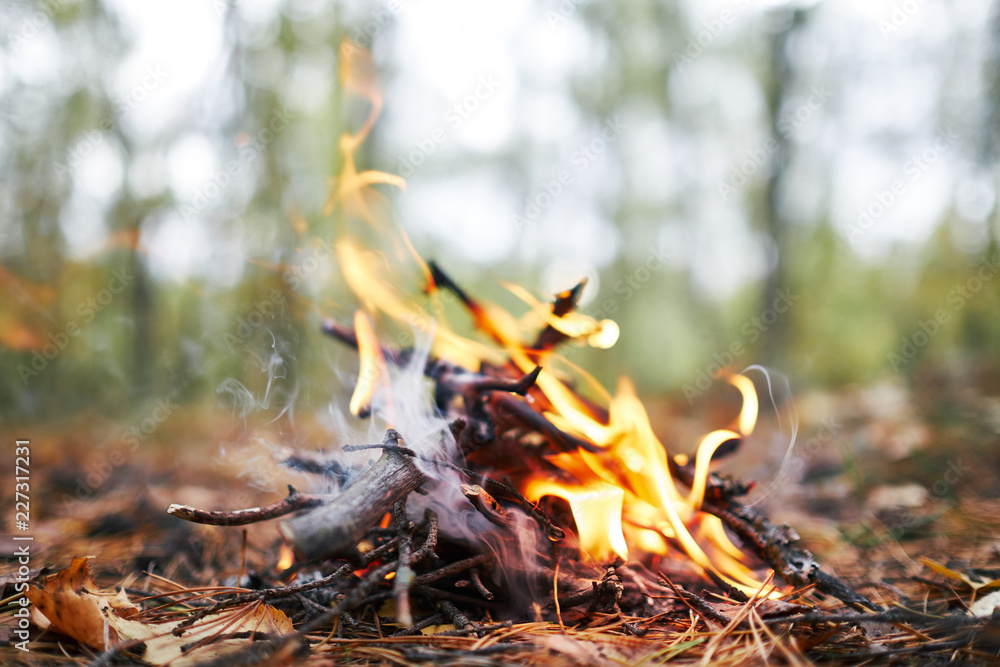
[{"x": 894, "y": 487}]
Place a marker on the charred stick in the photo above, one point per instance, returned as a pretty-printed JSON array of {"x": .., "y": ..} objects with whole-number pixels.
[
  {"x": 605, "y": 594},
  {"x": 317, "y": 463},
  {"x": 378, "y": 552},
  {"x": 776, "y": 545},
  {"x": 481, "y": 384},
  {"x": 576, "y": 599},
  {"x": 554, "y": 532},
  {"x": 443, "y": 280},
  {"x": 438, "y": 594},
  {"x": 507, "y": 409},
  {"x": 404, "y": 572},
  {"x": 694, "y": 602},
  {"x": 483, "y": 323},
  {"x": 338, "y": 526},
  {"x": 478, "y": 583},
  {"x": 480, "y": 630},
  {"x": 884, "y": 652},
  {"x": 427, "y": 548},
  {"x": 431, "y": 593},
  {"x": 435, "y": 619},
  {"x": 452, "y": 569},
  {"x": 310, "y": 606},
  {"x": 564, "y": 303},
  {"x": 730, "y": 590},
  {"x": 719, "y": 489},
  {"x": 480, "y": 428},
  {"x": 773, "y": 543},
  {"x": 294, "y": 502},
  {"x": 460, "y": 620},
  {"x": 487, "y": 505},
  {"x": 264, "y": 595}
]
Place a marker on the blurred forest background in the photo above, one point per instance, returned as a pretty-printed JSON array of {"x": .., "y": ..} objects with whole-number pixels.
[{"x": 808, "y": 186}]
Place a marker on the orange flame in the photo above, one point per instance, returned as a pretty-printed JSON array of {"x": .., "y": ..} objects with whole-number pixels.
[
  {"x": 373, "y": 369},
  {"x": 599, "y": 507},
  {"x": 622, "y": 494}
]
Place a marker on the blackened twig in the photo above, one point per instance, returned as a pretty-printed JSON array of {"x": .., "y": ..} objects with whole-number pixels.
[
  {"x": 434, "y": 619},
  {"x": 478, "y": 583},
  {"x": 776, "y": 545},
  {"x": 487, "y": 505},
  {"x": 427, "y": 548},
  {"x": 565, "y": 302},
  {"x": 480, "y": 630},
  {"x": 261, "y": 596},
  {"x": 605, "y": 594},
  {"x": 518, "y": 386},
  {"x": 348, "y": 337},
  {"x": 696, "y": 603},
  {"x": 452, "y": 569},
  {"x": 508, "y": 408},
  {"x": 453, "y": 613}
]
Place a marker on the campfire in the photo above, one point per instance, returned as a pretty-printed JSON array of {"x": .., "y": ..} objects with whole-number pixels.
[
  {"x": 501, "y": 501},
  {"x": 508, "y": 483}
]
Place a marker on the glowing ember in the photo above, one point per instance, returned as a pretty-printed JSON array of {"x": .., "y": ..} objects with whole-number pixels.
[{"x": 286, "y": 557}]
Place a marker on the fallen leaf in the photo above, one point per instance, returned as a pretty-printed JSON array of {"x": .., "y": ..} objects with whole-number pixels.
[
  {"x": 214, "y": 637},
  {"x": 70, "y": 603},
  {"x": 976, "y": 586},
  {"x": 63, "y": 605}
]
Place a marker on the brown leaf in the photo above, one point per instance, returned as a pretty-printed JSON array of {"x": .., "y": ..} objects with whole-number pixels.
[
  {"x": 71, "y": 604},
  {"x": 63, "y": 604}
]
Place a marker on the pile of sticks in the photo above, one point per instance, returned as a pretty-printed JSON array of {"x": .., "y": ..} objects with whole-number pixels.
[{"x": 434, "y": 579}]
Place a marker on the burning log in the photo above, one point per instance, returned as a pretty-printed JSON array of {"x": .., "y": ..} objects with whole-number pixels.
[{"x": 337, "y": 527}]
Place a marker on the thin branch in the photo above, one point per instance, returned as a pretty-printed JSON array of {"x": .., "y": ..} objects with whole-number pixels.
[
  {"x": 294, "y": 502},
  {"x": 404, "y": 572}
]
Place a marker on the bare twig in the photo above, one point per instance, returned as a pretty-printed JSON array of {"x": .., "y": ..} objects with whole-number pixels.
[
  {"x": 487, "y": 505},
  {"x": 293, "y": 502},
  {"x": 460, "y": 620},
  {"x": 404, "y": 572}
]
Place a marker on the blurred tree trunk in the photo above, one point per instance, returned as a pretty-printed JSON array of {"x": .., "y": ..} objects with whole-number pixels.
[
  {"x": 778, "y": 82},
  {"x": 990, "y": 144}
]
